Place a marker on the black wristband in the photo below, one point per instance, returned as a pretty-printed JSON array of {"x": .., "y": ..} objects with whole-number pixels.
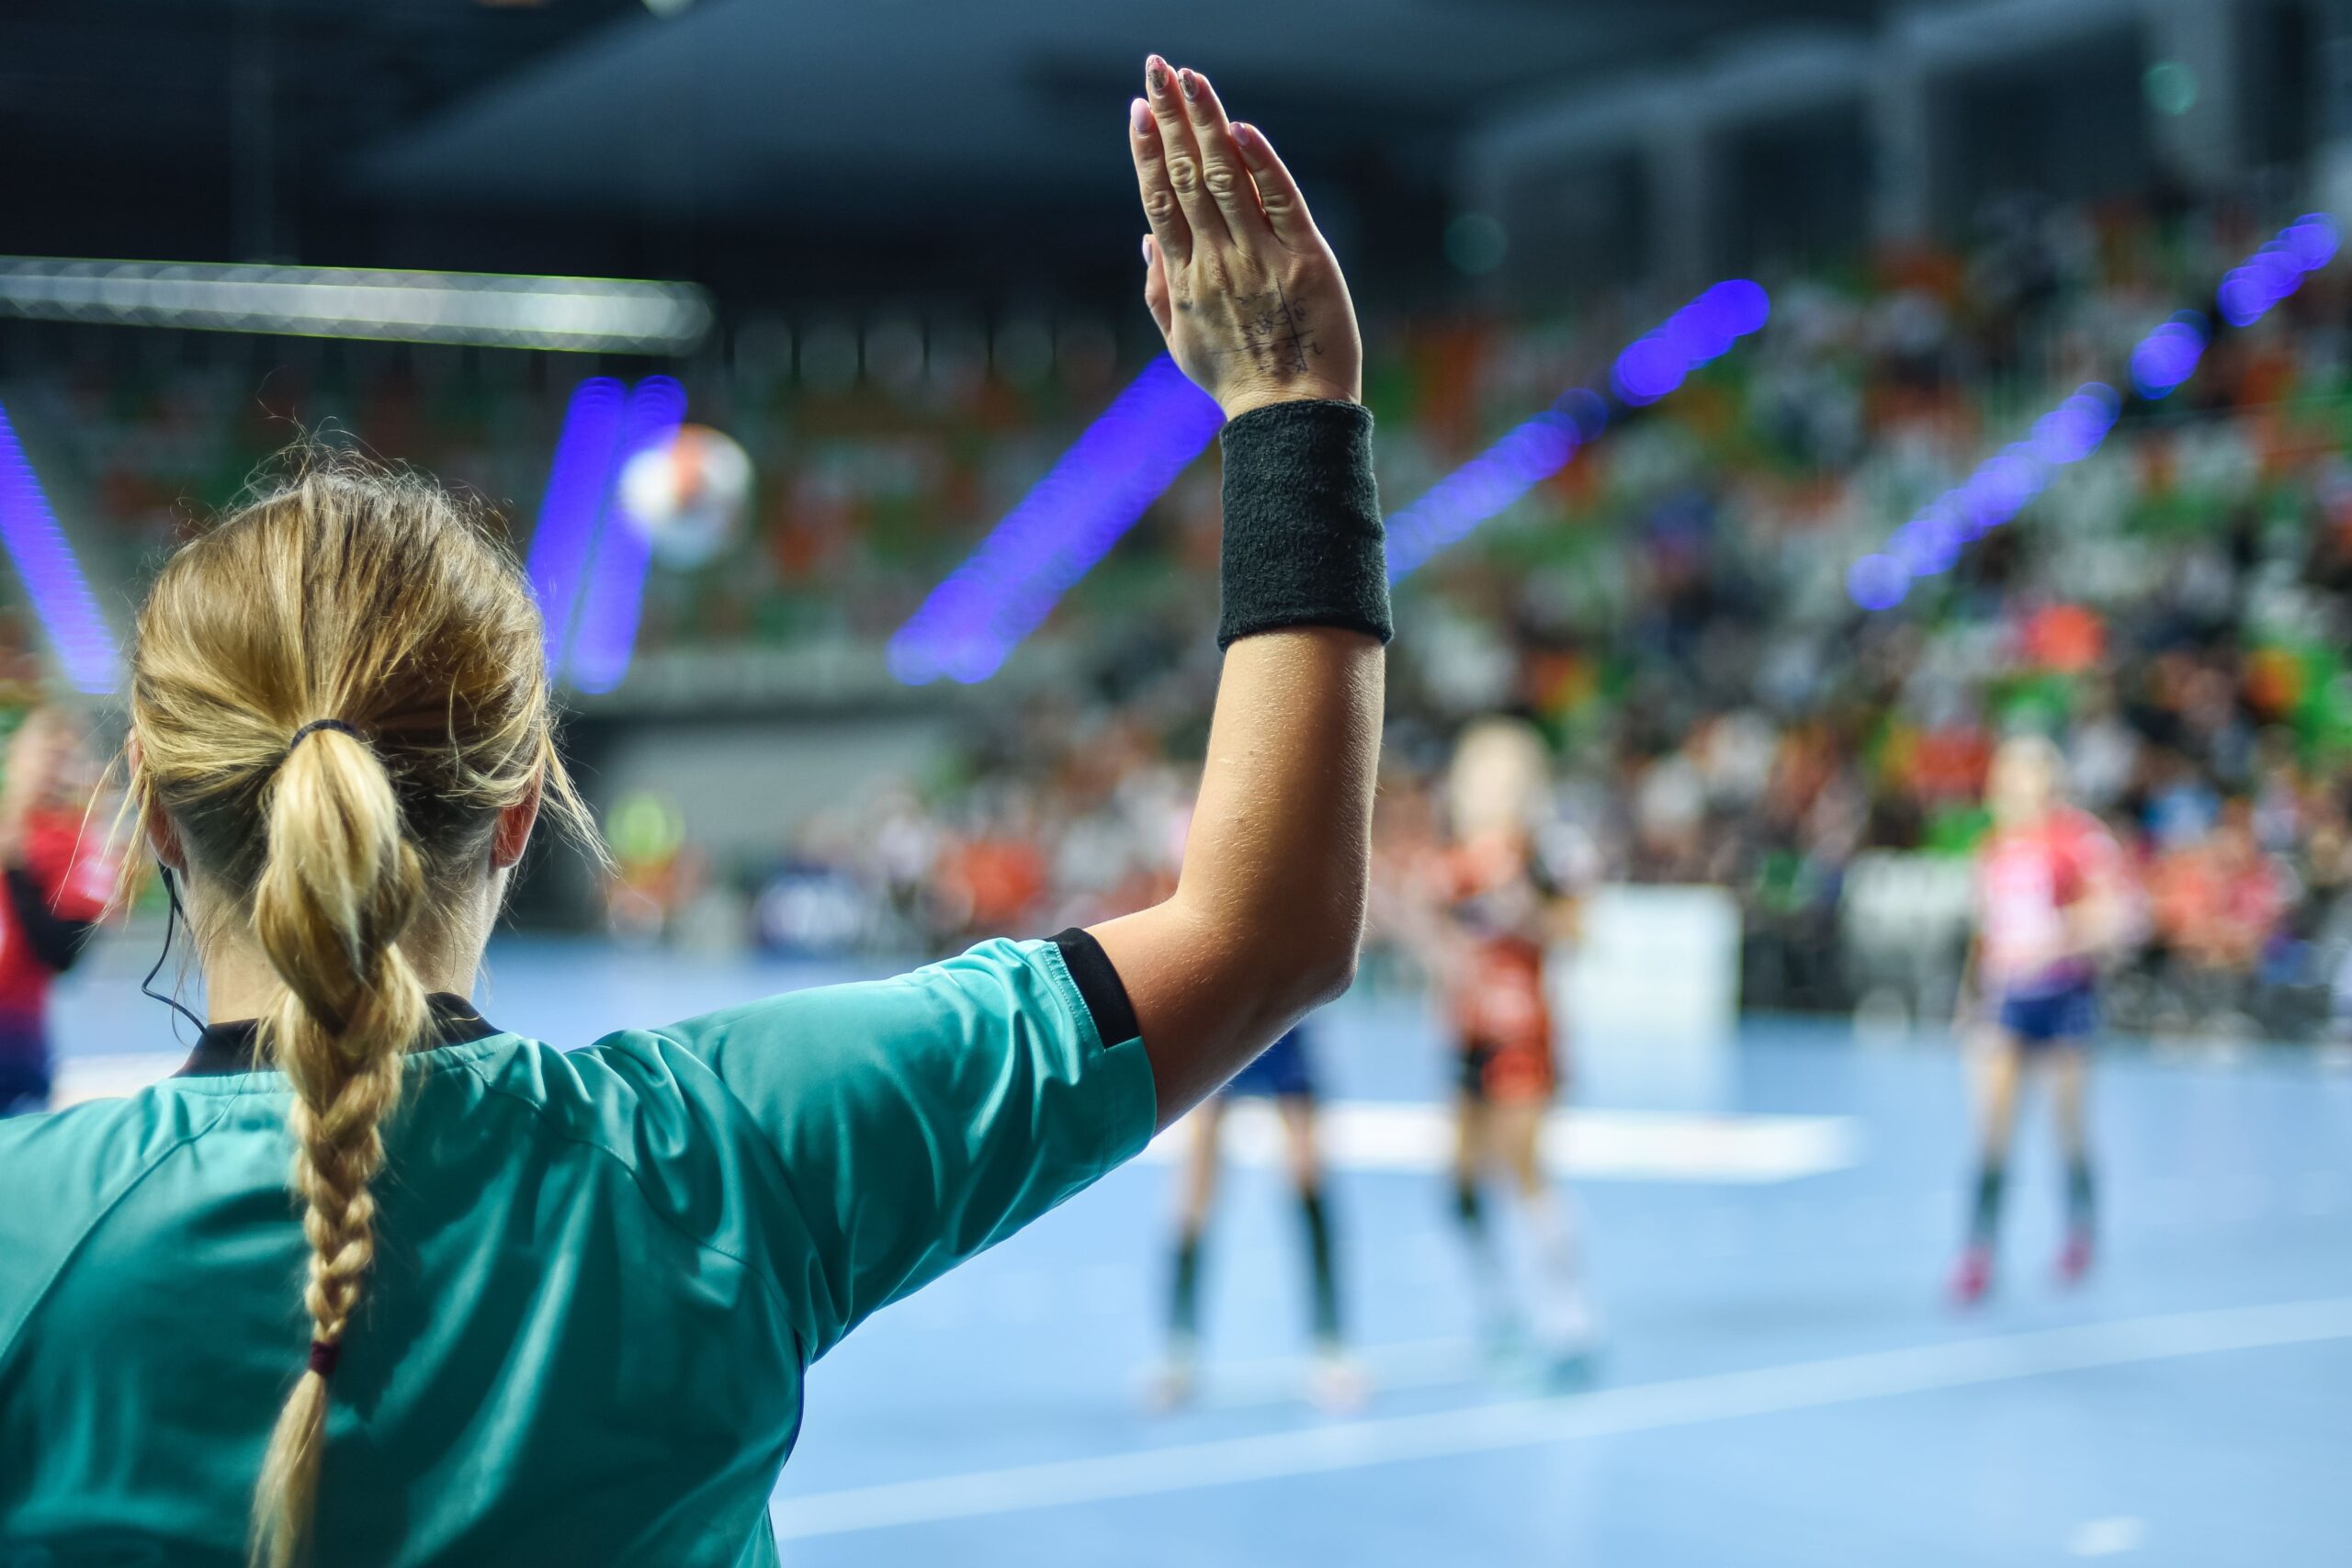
[{"x": 1304, "y": 545}]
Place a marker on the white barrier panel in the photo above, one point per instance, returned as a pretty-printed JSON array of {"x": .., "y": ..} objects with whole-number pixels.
[{"x": 1649, "y": 999}]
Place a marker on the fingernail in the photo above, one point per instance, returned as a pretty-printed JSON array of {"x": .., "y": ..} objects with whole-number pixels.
[
  {"x": 1155, "y": 72},
  {"x": 1192, "y": 84},
  {"x": 1138, "y": 117},
  {"x": 1246, "y": 135},
  {"x": 1147, "y": 250}
]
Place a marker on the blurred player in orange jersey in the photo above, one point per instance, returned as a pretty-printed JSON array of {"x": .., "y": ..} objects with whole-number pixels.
[
  {"x": 1483, "y": 913},
  {"x": 2049, "y": 907},
  {"x": 58, "y": 881}
]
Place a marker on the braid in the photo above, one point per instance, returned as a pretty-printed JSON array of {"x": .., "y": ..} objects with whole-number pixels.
[{"x": 341, "y": 883}]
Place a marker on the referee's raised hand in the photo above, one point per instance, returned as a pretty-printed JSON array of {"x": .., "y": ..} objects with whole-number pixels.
[{"x": 1243, "y": 287}]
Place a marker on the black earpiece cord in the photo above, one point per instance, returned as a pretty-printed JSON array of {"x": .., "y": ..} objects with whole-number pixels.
[{"x": 171, "y": 919}]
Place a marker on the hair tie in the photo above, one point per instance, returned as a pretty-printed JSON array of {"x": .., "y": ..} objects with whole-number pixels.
[
  {"x": 316, "y": 725},
  {"x": 324, "y": 1355}
]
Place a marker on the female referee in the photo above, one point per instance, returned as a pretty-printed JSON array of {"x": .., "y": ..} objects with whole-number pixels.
[{"x": 530, "y": 1307}]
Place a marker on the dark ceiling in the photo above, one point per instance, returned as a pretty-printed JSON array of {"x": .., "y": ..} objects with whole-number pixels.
[{"x": 770, "y": 147}]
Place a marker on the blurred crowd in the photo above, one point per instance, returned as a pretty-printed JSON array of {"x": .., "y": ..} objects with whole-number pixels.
[{"x": 1672, "y": 608}]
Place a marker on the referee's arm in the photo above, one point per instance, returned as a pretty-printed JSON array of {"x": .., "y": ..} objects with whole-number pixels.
[{"x": 1267, "y": 916}]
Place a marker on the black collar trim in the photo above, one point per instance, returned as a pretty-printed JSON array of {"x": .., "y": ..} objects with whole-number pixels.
[{"x": 225, "y": 1048}]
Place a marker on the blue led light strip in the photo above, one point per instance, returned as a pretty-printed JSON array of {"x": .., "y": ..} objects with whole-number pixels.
[
  {"x": 1068, "y": 522},
  {"x": 53, "y": 582},
  {"x": 578, "y": 480},
  {"x": 613, "y": 597},
  {"x": 1651, "y": 367},
  {"x": 1931, "y": 542}
]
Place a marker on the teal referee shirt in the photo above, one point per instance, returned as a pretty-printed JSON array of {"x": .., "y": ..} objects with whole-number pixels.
[{"x": 601, "y": 1275}]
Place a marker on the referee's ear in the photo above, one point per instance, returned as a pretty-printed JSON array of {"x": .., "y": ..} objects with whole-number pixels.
[
  {"x": 162, "y": 837},
  {"x": 513, "y": 834}
]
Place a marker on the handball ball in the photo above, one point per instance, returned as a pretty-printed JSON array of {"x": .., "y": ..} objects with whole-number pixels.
[{"x": 687, "y": 495}]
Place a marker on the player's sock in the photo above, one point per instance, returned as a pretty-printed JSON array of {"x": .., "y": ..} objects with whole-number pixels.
[
  {"x": 1468, "y": 1213},
  {"x": 1485, "y": 1268},
  {"x": 1184, "y": 1299},
  {"x": 2082, "y": 1195},
  {"x": 1985, "y": 1215},
  {"x": 1318, "y": 1256},
  {"x": 2074, "y": 1256},
  {"x": 1566, "y": 1322},
  {"x": 1972, "y": 1277}
]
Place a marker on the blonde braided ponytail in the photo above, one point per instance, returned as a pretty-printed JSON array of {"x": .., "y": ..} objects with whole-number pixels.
[
  {"x": 340, "y": 885},
  {"x": 335, "y": 695}
]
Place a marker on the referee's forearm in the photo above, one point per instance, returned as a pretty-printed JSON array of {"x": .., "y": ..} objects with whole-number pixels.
[
  {"x": 1266, "y": 918},
  {"x": 1281, "y": 848}
]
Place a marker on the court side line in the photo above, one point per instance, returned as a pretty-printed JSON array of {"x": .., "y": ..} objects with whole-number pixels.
[{"x": 1723, "y": 1396}]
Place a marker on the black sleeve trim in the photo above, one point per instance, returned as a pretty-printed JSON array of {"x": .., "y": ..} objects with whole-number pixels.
[
  {"x": 1106, "y": 994},
  {"x": 1303, "y": 542},
  {"x": 55, "y": 941}
]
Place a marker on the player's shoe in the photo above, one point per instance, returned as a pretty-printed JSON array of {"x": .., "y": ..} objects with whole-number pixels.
[
  {"x": 2075, "y": 1257},
  {"x": 1336, "y": 1384},
  {"x": 1172, "y": 1384},
  {"x": 1502, "y": 1337},
  {"x": 1571, "y": 1369},
  {"x": 1972, "y": 1277}
]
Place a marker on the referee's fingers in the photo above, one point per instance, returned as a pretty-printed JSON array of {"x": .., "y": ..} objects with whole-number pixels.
[
  {"x": 1278, "y": 195},
  {"x": 1228, "y": 183},
  {"x": 1181, "y": 155},
  {"x": 1160, "y": 205}
]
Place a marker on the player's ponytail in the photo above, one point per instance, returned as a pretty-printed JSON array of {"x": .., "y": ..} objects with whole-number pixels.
[
  {"x": 339, "y": 885},
  {"x": 335, "y": 695}
]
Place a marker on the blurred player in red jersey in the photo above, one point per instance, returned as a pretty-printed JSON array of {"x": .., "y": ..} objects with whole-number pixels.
[
  {"x": 2049, "y": 907},
  {"x": 58, "y": 885},
  {"x": 1486, "y": 913}
]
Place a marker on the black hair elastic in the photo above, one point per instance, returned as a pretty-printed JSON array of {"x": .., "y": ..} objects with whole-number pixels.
[{"x": 318, "y": 723}]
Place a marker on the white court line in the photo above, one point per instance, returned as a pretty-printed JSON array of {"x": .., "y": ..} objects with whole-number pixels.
[
  {"x": 1723, "y": 1396},
  {"x": 1603, "y": 1146}
]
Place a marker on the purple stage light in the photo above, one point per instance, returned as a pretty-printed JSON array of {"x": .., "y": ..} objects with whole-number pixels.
[
  {"x": 1925, "y": 545},
  {"x": 577, "y": 482},
  {"x": 1585, "y": 409},
  {"x": 1656, "y": 363},
  {"x": 2001, "y": 487},
  {"x": 1698, "y": 331},
  {"x": 61, "y": 596},
  {"x": 2314, "y": 239},
  {"x": 1650, "y": 368},
  {"x": 1068, "y": 522},
  {"x": 1526, "y": 456},
  {"x": 2240, "y": 300},
  {"x": 1743, "y": 304},
  {"x": 612, "y": 598},
  {"x": 1532, "y": 452},
  {"x": 2278, "y": 269},
  {"x": 1877, "y": 582},
  {"x": 2167, "y": 356}
]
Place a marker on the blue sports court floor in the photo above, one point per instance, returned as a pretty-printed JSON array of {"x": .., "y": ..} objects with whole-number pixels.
[{"x": 1783, "y": 1384}]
